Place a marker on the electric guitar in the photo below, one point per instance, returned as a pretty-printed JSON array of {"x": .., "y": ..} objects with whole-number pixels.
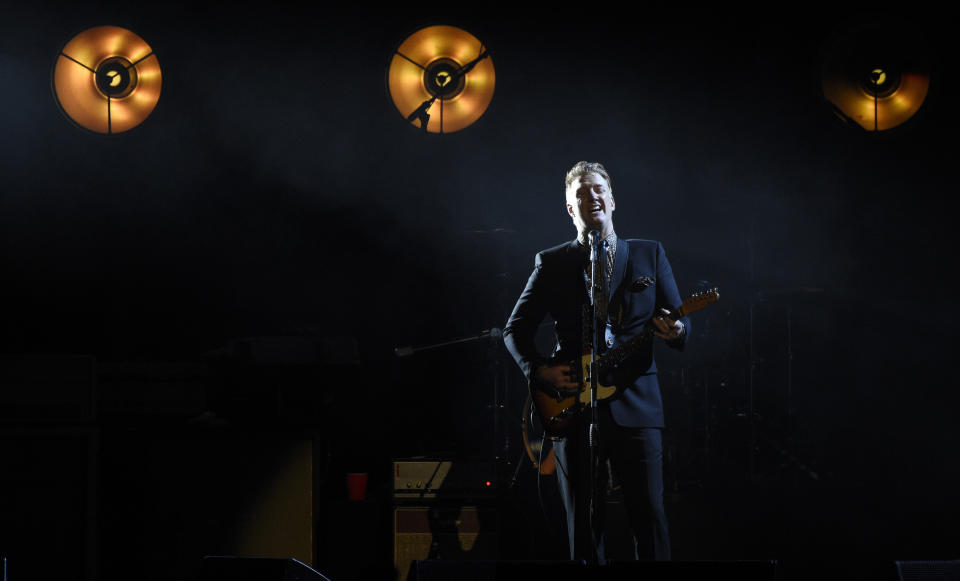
[{"x": 557, "y": 408}]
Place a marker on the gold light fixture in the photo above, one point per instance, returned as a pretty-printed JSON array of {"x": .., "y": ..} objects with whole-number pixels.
[
  {"x": 875, "y": 80},
  {"x": 441, "y": 79},
  {"x": 107, "y": 79}
]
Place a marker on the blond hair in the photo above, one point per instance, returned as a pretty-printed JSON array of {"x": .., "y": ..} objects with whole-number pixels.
[{"x": 584, "y": 167}]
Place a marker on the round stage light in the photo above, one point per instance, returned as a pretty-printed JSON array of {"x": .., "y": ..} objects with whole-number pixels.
[
  {"x": 875, "y": 81},
  {"x": 441, "y": 79},
  {"x": 107, "y": 79}
]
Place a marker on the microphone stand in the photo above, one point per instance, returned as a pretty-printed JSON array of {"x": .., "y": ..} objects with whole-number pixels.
[
  {"x": 594, "y": 426},
  {"x": 498, "y": 406},
  {"x": 408, "y": 350}
]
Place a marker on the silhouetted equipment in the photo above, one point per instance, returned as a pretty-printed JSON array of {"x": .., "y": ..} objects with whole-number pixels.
[
  {"x": 446, "y": 523},
  {"x": 876, "y": 79},
  {"x": 107, "y": 79},
  {"x": 928, "y": 570},
  {"x": 615, "y": 571},
  {"x": 496, "y": 570},
  {"x": 217, "y": 568},
  {"x": 446, "y": 532},
  {"x": 442, "y": 78}
]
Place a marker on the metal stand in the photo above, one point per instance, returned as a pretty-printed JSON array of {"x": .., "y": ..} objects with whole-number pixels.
[
  {"x": 409, "y": 350},
  {"x": 593, "y": 433},
  {"x": 501, "y": 453}
]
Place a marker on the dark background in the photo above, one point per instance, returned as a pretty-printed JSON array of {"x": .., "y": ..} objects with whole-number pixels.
[{"x": 276, "y": 191}]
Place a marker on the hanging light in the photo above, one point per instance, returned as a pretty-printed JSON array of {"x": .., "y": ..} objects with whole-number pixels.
[
  {"x": 107, "y": 79},
  {"x": 875, "y": 80},
  {"x": 441, "y": 79}
]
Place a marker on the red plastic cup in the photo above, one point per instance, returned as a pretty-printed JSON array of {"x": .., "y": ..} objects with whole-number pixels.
[{"x": 357, "y": 485}]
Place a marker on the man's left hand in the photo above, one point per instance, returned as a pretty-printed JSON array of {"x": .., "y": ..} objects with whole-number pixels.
[{"x": 666, "y": 328}]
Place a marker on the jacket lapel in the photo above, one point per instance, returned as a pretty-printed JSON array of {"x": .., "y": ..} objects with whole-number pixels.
[
  {"x": 619, "y": 266},
  {"x": 575, "y": 260}
]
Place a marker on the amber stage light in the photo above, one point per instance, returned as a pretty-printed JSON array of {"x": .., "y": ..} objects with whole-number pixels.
[
  {"x": 874, "y": 81},
  {"x": 107, "y": 79},
  {"x": 441, "y": 79}
]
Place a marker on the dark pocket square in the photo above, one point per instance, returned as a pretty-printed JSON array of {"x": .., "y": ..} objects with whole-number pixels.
[{"x": 641, "y": 283}]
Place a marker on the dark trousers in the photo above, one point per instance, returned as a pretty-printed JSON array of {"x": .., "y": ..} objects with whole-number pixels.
[{"x": 636, "y": 458}]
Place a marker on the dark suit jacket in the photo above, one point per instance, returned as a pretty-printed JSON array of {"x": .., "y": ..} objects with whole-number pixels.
[{"x": 557, "y": 287}]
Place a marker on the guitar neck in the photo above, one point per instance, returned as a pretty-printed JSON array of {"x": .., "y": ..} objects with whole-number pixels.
[
  {"x": 624, "y": 351},
  {"x": 618, "y": 354}
]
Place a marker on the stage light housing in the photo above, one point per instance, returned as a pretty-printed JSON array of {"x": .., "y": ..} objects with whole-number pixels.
[
  {"x": 107, "y": 79},
  {"x": 441, "y": 79},
  {"x": 874, "y": 81}
]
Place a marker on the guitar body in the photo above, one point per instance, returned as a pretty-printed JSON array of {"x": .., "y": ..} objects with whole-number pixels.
[{"x": 557, "y": 411}]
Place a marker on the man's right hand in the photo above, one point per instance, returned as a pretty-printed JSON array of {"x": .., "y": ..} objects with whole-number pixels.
[{"x": 558, "y": 377}]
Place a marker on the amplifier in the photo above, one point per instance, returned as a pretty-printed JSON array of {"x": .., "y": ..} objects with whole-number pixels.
[{"x": 422, "y": 478}]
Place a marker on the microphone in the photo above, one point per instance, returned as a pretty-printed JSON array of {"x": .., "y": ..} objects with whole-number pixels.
[{"x": 594, "y": 244}]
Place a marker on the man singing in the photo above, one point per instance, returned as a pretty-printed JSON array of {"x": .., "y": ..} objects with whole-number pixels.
[{"x": 635, "y": 288}]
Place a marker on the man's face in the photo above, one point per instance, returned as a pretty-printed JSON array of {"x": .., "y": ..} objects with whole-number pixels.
[{"x": 590, "y": 203}]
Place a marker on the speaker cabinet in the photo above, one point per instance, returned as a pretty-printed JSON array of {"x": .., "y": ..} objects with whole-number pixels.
[{"x": 450, "y": 533}]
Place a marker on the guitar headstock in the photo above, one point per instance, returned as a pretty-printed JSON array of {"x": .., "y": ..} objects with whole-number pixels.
[{"x": 699, "y": 300}]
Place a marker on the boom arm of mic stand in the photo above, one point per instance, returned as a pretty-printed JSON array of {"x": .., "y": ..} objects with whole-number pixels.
[{"x": 409, "y": 350}]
